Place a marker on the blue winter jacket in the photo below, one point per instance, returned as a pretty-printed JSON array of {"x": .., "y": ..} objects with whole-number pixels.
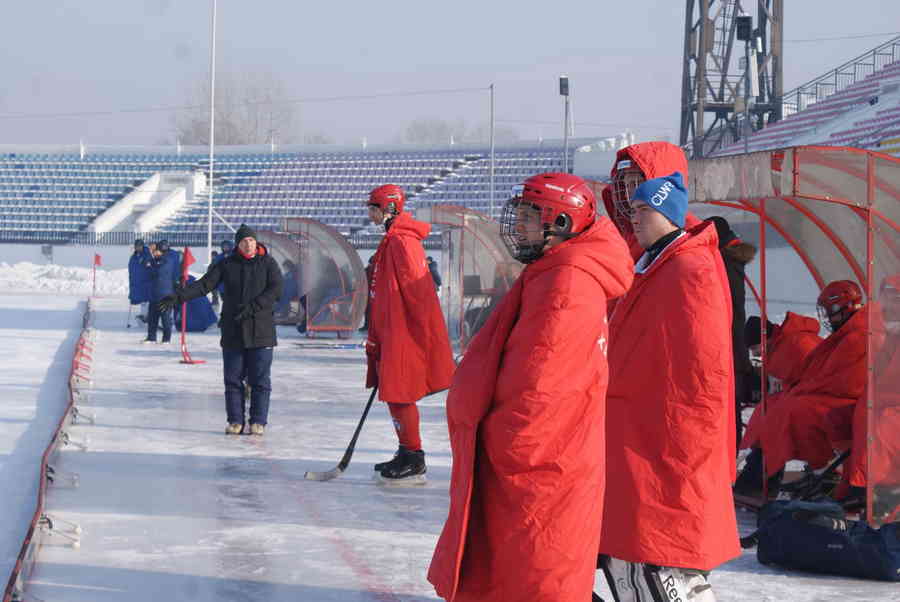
[
  {"x": 200, "y": 314},
  {"x": 139, "y": 276},
  {"x": 166, "y": 272}
]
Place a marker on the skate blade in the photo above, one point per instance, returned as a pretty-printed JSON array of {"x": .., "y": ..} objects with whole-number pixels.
[{"x": 412, "y": 481}]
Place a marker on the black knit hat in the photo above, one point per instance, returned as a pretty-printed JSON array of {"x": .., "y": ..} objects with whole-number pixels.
[
  {"x": 753, "y": 331},
  {"x": 723, "y": 229},
  {"x": 243, "y": 232}
]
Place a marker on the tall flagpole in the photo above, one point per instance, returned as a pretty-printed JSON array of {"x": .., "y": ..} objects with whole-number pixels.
[{"x": 212, "y": 132}]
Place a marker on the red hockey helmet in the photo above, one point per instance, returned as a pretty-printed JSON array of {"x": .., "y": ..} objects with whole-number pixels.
[
  {"x": 389, "y": 198},
  {"x": 566, "y": 207},
  {"x": 837, "y": 302}
]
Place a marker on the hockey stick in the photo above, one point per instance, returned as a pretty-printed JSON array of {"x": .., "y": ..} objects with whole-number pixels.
[
  {"x": 342, "y": 465},
  {"x": 330, "y": 345}
]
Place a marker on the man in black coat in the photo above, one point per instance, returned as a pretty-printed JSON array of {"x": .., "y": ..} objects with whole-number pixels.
[
  {"x": 253, "y": 284},
  {"x": 736, "y": 254}
]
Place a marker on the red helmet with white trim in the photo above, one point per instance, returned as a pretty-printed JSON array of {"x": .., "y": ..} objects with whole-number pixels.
[
  {"x": 389, "y": 198},
  {"x": 837, "y": 302},
  {"x": 566, "y": 207}
]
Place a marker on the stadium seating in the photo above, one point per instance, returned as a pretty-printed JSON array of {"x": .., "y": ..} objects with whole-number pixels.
[
  {"x": 831, "y": 121},
  {"x": 60, "y": 194}
]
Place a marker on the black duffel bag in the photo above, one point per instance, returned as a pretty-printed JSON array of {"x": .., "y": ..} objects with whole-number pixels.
[{"x": 817, "y": 537}]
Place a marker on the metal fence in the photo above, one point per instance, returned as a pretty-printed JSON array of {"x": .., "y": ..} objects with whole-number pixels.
[{"x": 360, "y": 240}]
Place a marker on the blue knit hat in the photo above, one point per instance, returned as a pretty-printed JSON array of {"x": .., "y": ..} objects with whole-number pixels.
[{"x": 667, "y": 195}]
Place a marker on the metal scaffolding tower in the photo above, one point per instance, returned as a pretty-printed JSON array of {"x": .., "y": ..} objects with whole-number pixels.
[{"x": 715, "y": 73}]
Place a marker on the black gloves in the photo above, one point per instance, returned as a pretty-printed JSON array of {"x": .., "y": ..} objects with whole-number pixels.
[
  {"x": 168, "y": 302},
  {"x": 243, "y": 313}
]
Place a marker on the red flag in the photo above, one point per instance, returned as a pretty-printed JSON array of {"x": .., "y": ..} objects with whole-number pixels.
[
  {"x": 97, "y": 259},
  {"x": 186, "y": 262}
]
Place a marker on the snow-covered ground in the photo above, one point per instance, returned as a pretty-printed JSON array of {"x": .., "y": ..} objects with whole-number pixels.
[
  {"x": 172, "y": 507},
  {"x": 37, "y": 335}
]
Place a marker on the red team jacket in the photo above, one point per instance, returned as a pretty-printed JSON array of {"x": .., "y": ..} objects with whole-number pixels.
[
  {"x": 670, "y": 412},
  {"x": 801, "y": 425},
  {"x": 526, "y": 419},
  {"x": 885, "y": 443},
  {"x": 408, "y": 348},
  {"x": 789, "y": 347},
  {"x": 787, "y": 351}
]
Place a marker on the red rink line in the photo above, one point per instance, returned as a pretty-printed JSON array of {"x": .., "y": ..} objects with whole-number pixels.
[{"x": 361, "y": 569}]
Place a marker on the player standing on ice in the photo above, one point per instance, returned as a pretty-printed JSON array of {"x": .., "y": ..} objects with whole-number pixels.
[
  {"x": 526, "y": 409},
  {"x": 668, "y": 516},
  {"x": 408, "y": 348},
  {"x": 164, "y": 272},
  {"x": 139, "y": 278},
  {"x": 253, "y": 283}
]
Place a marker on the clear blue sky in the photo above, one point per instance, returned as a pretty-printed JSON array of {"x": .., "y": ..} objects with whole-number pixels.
[{"x": 623, "y": 58}]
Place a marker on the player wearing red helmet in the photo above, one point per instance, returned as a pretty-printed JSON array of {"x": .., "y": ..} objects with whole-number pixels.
[
  {"x": 806, "y": 420},
  {"x": 527, "y": 402},
  {"x": 838, "y": 302},
  {"x": 546, "y": 210},
  {"x": 670, "y": 405},
  {"x": 408, "y": 348}
]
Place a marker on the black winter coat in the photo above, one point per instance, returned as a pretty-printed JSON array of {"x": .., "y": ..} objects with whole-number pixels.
[
  {"x": 736, "y": 258},
  {"x": 253, "y": 282}
]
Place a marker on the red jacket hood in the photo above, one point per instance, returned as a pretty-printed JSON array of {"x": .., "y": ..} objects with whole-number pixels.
[
  {"x": 600, "y": 252},
  {"x": 796, "y": 323},
  {"x": 656, "y": 159},
  {"x": 405, "y": 225}
]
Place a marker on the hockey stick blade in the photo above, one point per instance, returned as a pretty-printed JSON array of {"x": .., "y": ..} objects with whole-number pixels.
[
  {"x": 345, "y": 461},
  {"x": 323, "y": 476}
]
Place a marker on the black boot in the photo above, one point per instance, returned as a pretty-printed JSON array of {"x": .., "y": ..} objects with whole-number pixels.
[
  {"x": 382, "y": 465},
  {"x": 749, "y": 481},
  {"x": 409, "y": 469}
]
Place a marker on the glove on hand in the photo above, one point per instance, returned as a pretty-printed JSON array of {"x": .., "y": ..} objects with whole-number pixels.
[
  {"x": 168, "y": 302},
  {"x": 243, "y": 313}
]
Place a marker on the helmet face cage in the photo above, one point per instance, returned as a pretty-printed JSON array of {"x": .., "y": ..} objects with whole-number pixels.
[
  {"x": 515, "y": 238},
  {"x": 624, "y": 183},
  {"x": 388, "y": 198},
  {"x": 824, "y": 318}
]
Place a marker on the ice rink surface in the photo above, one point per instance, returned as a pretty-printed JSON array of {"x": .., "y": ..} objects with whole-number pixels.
[{"x": 172, "y": 507}]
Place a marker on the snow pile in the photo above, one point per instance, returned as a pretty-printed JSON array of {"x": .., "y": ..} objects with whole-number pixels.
[{"x": 31, "y": 277}]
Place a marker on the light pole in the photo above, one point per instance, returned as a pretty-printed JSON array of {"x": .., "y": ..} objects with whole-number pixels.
[
  {"x": 492, "y": 151},
  {"x": 212, "y": 131},
  {"x": 564, "y": 92}
]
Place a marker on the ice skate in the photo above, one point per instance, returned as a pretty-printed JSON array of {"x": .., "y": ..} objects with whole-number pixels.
[
  {"x": 148, "y": 342},
  {"x": 256, "y": 429},
  {"x": 390, "y": 463},
  {"x": 233, "y": 428},
  {"x": 408, "y": 470}
]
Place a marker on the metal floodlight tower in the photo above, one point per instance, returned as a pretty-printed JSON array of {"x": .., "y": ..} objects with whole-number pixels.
[{"x": 718, "y": 105}]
